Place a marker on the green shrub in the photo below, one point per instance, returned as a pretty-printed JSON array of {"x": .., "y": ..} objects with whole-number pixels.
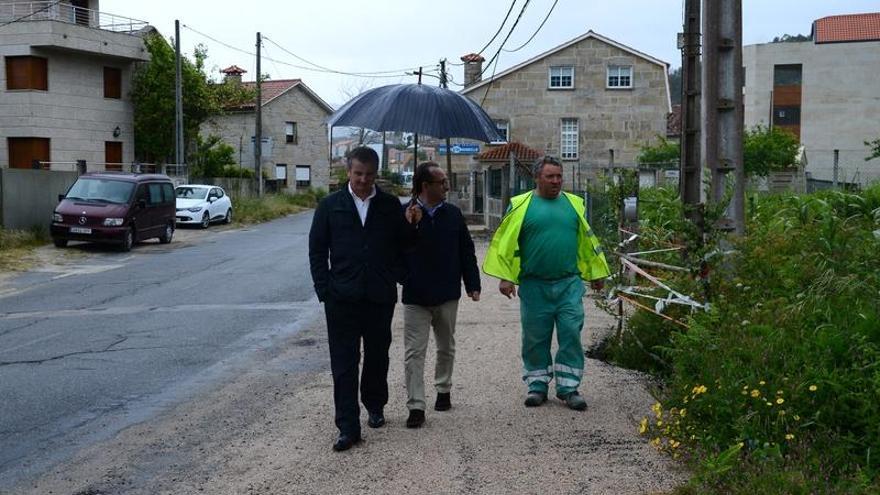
[{"x": 783, "y": 374}]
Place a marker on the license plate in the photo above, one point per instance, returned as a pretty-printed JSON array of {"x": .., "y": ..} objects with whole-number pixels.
[{"x": 80, "y": 230}]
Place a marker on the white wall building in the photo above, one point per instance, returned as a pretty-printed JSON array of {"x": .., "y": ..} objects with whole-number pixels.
[{"x": 826, "y": 91}]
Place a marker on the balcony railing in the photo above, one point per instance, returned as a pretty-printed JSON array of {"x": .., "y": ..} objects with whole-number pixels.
[{"x": 65, "y": 12}]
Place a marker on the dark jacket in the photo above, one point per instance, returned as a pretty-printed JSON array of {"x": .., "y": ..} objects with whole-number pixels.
[
  {"x": 354, "y": 262},
  {"x": 443, "y": 256}
]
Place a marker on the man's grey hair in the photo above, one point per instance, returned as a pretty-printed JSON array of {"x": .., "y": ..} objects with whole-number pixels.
[{"x": 544, "y": 160}]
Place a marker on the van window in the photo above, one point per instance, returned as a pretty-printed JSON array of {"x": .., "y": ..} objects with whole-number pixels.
[
  {"x": 100, "y": 190},
  {"x": 142, "y": 193},
  {"x": 168, "y": 193},
  {"x": 155, "y": 194}
]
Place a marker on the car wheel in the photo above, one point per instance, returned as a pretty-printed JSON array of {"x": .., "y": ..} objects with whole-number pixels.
[
  {"x": 228, "y": 218},
  {"x": 60, "y": 242},
  {"x": 206, "y": 221},
  {"x": 166, "y": 236},
  {"x": 127, "y": 241}
]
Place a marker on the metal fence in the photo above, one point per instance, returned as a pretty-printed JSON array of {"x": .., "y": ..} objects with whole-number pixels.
[{"x": 65, "y": 12}]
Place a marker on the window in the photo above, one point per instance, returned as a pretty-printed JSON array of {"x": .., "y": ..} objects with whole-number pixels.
[
  {"x": 569, "y": 148},
  {"x": 504, "y": 129},
  {"x": 168, "y": 193},
  {"x": 562, "y": 77},
  {"x": 786, "y": 115},
  {"x": 496, "y": 177},
  {"x": 24, "y": 150},
  {"x": 290, "y": 132},
  {"x": 786, "y": 75},
  {"x": 303, "y": 175},
  {"x": 620, "y": 76},
  {"x": 281, "y": 173},
  {"x": 27, "y": 73},
  {"x": 112, "y": 82},
  {"x": 155, "y": 194}
]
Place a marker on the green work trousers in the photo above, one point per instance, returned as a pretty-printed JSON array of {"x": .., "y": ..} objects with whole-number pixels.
[{"x": 545, "y": 304}]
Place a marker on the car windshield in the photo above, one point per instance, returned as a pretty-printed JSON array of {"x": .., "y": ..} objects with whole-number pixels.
[
  {"x": 100, "y": 190},
  {"x": 188, "y": 192}
]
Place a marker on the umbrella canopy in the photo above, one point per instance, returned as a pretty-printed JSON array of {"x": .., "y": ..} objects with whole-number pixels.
[{"x": 417, "y": 108}]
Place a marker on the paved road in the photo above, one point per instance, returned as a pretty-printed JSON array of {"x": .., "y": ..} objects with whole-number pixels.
[{"x": 98, "y": 345}]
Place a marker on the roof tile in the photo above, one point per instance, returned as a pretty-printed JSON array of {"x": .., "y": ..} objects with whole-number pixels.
[
  {"x": 502, "y": 153},
  {"x": 847, "y": 28}
]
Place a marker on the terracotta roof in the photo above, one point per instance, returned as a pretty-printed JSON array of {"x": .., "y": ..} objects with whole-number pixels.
[
  {"x": 269, "y": 90},
  {"x": 673, "y": 122},
  {"x": 473, "y": 57},
  {"x": 502, "y": 153},
  {"x": 847, "y": 28},
  {"x": 233, "y": 69}
]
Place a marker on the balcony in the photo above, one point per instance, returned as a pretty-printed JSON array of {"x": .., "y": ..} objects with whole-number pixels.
[{"x": 67, "y": 13}]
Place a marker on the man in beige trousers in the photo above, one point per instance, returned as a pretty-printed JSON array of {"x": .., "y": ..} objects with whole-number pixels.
[{"x": 443, "y": 257}]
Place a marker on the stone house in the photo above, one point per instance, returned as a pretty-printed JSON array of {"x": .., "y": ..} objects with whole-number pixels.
[
  {"x": 591, "y": 101},
  {"x": 823, "y": 90},
  {"x": 65, "y": 77},
  {"x": 296, "y": 148}
]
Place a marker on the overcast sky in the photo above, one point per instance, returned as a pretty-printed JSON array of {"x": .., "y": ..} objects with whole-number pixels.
[{"x": 395, "y": 35}]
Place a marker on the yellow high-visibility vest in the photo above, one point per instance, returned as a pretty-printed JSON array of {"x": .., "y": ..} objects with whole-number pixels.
[{"x": 503, "y": 257}]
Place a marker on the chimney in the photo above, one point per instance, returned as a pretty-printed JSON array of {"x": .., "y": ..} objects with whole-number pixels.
[
  {"x": 232, "y": 74},
  {"x": 473, "y": 68}
]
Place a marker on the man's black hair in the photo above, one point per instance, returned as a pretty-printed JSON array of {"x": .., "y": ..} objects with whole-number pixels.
[
  {"x": 421, "y": 176},
  {"x": 363, "y": 154}
]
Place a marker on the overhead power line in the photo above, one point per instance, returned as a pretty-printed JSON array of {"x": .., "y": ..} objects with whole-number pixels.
[
  {"x": 499, "y": 28},
  {"x": 498, "y": 52},
  {"x": 373, "y": 75},
  {"x": 336, "y": 71},
  {"x": 520, "y": 47}
]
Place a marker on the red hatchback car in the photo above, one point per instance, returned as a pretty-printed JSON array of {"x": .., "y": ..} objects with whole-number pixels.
[{"x": 117, "y": 208}]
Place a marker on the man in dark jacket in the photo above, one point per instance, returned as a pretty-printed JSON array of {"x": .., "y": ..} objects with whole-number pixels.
[
  {"x": 444, "y": 255},
  {"x": 362, "y": 232}
]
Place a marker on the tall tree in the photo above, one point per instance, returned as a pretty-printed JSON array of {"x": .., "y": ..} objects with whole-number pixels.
[
  {"x": 675, "y": 86},
  {"x": 152, "y": 94}
]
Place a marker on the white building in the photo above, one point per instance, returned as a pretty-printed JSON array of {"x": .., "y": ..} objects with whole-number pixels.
[
  {"x": 65, "y": 83},
  {"x": 825, "y": 90}
]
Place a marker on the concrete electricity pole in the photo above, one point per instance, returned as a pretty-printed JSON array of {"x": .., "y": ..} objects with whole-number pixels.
[
  {"x": 691, "y": 171},
  {"x": 258, "y": 130},
  {"x": 722, "y": 106},
  {"x": 444, "y": 82},
  {"x": 178, "y": 101}
]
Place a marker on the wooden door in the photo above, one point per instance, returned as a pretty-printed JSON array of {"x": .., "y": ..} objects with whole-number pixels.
[
  {"x": 23, "y": 151},
  {"x": 113, "y": 155}
]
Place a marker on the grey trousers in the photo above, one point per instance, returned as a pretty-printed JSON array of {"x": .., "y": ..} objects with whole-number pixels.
[{"x": 417, "y": 322}]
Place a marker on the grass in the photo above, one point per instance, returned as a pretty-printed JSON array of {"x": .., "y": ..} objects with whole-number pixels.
[
  {"x": 16, "y": 247},
  {"x": 776, "y": 389}
]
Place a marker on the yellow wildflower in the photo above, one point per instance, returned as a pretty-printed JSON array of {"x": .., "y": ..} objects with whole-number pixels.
[
  {"x": 789, "y": 436},
  {"x": 797, "y": 418},
  {"x": 769, "y": 403},
  {"x": 683, "y": 412},
  {"x": 813, "y": 388},
  {"x": 755, "y": 393},
  {"x": 675, "y": 444},
  {"x": 643, "y": 426},
  {"x": 779, "y": 392},
  {"x": 656, "y": 408},
  {"x": 655, "y": 442},
  {"x": 762, "y": 382},
  {"x": 780, "y": 400}
]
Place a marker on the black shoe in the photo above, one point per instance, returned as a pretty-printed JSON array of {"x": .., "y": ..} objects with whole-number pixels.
[
  {"x": 416, "y": 418},
  {"x": 443, "y": 403},
  {"x": 376, "y": 419},
  {"x": 345, "y": 442},
  {"x": 535, "y": 399}
]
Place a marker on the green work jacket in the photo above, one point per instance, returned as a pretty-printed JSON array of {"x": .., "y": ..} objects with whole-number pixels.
[{"x": 503, "y": 257}]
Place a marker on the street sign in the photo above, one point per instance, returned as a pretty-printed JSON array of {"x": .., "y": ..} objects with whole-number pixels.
[{"x": 460, "y": 149}]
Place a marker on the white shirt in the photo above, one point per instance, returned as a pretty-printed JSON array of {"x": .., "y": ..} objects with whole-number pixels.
[{"x": 362, "y": 205}]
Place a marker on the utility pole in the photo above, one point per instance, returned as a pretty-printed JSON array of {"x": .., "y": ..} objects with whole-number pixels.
[
  {"x": 258, "y": 130},
  {"x": 445, "y": 84},
  {"x": 178, "y": 101},
  {"x": 416, "y": 137},
  {"x": 722, "y": 106},
  {"x": 834, "y": 182},
  {"x": 690, "y": 170}
]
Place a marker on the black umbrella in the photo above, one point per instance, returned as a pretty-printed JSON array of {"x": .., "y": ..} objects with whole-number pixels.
[{"x": 435, "y": 111}]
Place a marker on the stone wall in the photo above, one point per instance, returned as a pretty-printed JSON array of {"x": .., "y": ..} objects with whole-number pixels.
[
  {"x": 608, "y": 118},
  {"x": 73, "y": 113},
  {"x": 312, "y": 147}
]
